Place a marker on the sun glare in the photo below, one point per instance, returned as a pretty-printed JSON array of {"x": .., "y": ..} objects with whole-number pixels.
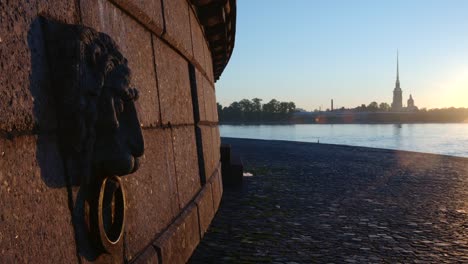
[{"x": 453, "y": 90}]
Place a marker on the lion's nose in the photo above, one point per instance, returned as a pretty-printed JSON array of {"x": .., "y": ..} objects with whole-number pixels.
[
  {"x": 137, "y": 146},
  {"x": 108, "y": 121}
]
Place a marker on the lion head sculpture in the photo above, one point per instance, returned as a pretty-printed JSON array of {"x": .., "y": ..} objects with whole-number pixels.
[
  {"x": 98, "y": 130},
  {"x": 96, "y": 118}
]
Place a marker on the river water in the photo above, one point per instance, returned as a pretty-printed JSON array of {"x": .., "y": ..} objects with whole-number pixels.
[{"x": 448, "y": 139}]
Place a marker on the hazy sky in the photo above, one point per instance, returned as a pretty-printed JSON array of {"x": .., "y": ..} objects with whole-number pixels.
[{"x": 310, "y": 51}]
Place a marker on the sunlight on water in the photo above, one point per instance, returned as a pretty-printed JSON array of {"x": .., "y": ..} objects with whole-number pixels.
[{"x": 448, "y": 139}]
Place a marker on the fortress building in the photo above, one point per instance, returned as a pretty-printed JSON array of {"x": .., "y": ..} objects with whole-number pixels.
[
  {"x": 411, "y": 107},
  {"x": 397, "y": 104}
]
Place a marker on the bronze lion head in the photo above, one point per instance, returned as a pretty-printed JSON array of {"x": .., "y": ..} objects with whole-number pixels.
[
  {"x": 98, "y": 130},
  {"x": 97, "y": 122}
]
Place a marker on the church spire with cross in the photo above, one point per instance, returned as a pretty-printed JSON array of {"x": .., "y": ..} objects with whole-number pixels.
[
  {"x": 397, "y": 72},
  {"x": 397, "y": 104}
]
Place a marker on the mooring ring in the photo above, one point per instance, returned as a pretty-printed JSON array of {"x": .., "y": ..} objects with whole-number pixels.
[{"x": 111, "y": 212}]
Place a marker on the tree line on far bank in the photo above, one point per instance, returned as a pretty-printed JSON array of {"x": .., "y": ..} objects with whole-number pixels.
[
  {"x": 371, "y": 107},
  {"x": 253, "y": 110}
]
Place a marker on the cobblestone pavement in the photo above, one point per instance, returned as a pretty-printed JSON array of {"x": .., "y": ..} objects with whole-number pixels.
[{"x": 318, "y": 203}]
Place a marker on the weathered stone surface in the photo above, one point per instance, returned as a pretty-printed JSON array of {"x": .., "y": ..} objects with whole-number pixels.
[
  {"x": 22, "y": 61},
  {"x": 204, "y": 202},
  {"x": 209, "y": 65},
  {"x": 185, "y": 153},
  {"x": 208, "y": 155},
  {"x": 217, "y": 187},
  {"x": 210, "y": 102},
  {"x": 205, "y": 61},
  {"x": 135, "y": 44},
  {"x": 115, "y": 258},
  {"x": 200, "y": 81},
  {"x": 192, "y": 232},
  {"x": 211, "y": 148},
  {"x": 178, "y": 242},
  {"x": 149, "y": 256},
  {"x": 174, "y": 85},
  {"x": 32, "y": 183},
  {"x": 198, "y": 40},
  {"x": 209, "y": 99},
  {"x": 176, "y": 15},
  {"x": 151, "y": 192},
  {"x": 35, "y": 221},
  {"x": 148, "y": 12}
]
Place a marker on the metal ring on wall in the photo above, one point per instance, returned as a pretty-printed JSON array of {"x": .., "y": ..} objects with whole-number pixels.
[{"x": 111, "y": 212}]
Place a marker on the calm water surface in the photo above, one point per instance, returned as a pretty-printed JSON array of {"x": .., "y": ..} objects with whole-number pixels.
[{"x": 449, "y": 139}]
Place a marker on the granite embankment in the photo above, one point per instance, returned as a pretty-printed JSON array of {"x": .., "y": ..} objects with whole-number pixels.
[{"x": 319, "y": 203}]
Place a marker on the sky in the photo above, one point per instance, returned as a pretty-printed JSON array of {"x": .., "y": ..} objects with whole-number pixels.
[{"x": 312, "y": 51}]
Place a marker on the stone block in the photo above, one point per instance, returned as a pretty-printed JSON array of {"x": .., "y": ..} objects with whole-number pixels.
[
  {"x": 209, "y": 98},
  {"x": 204, "y": 63},
  {"x": 198, "y": 40},
  {"x": 217, "y": 188},
  {"x": 178, "y": 242},
  {"x": 147, "y": 12},
  {"x": 209, "y": 65},
  {"x": 35, "y": 221},
  {"x": 186, "y": 163},
  {"x": 174, "y": 85},
  {"x": 210, "y": 103},
  {"x": 151, "y": 192},
  {"x": 134, "y": 42},
  {"x": 213, "y": 150},
  {"x": 204, "y": 202},
  {"x": 178, "y": 33},
  {"x": 114, "y": 258},
  {"x": 149, "y": 256},
  {"x": 23, "y": 80},
  {"x": 200, "y": 81},
  {"x": 208, "y": 155}
]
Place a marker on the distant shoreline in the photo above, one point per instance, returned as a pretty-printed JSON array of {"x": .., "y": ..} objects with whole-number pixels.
[
  {"x": 335, "y": 123},
  {"x": 347, "y": 117}
]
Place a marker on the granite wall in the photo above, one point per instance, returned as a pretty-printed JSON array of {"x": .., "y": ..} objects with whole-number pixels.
[{"x": 173, "y": 197}]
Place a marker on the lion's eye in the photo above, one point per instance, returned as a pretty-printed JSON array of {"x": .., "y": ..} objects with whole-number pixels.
[
  {"x": 95, "y": 55},
  {"x": 109, "y": 66}
]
